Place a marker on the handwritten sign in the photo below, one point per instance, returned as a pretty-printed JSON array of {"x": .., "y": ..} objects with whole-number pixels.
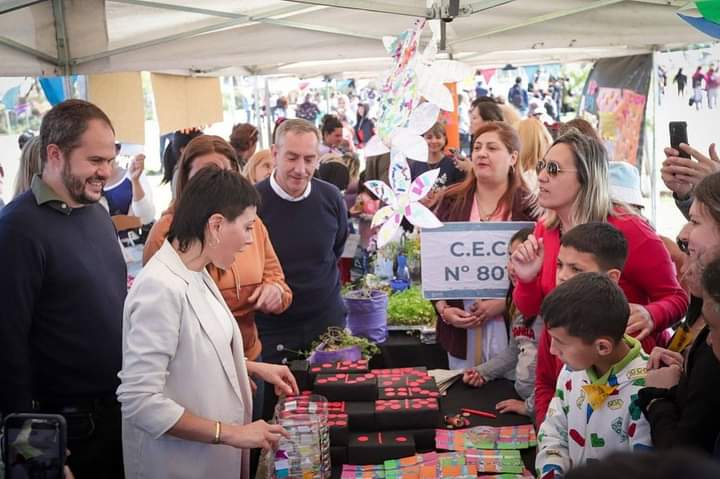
[{"x": 464, "y": 260}]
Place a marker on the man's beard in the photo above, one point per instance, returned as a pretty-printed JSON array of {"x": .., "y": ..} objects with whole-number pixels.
[{"x": 76, "y": 186}]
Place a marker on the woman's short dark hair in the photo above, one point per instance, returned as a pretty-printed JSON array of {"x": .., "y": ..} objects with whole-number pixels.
[
  {"x": 330, "y": 123},
  {"x": 212, "y": 190}
]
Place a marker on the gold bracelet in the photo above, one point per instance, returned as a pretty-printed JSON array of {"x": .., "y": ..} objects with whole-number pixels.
[{"x": 218, "y": 431}]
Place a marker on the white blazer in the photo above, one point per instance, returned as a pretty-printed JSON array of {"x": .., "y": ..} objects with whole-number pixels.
[{"x": 175, "y": 359}]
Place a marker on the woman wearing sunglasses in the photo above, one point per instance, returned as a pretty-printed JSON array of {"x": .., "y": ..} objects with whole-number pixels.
[
  {"x": 474, "y": 331},
  {"x": 573, "y": 188}
]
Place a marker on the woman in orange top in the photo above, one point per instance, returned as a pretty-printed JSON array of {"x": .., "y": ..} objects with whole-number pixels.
[{"x": 255, "y": 281}]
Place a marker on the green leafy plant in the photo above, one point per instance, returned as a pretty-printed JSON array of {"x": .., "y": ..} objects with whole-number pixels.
[
  {"x": 409, "y": 308},
  {"x": 335, "y": 339}
]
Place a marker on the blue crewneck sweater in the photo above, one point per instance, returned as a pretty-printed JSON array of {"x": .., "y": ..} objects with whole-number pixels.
[
  {"x": 308, "y": 237},
  {"x": 62, "y": 289}
]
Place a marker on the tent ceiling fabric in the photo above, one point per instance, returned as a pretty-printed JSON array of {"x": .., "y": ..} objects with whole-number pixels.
[{"x": 309, "y": 37}]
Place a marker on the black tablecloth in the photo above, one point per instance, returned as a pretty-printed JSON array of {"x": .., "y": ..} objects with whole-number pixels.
[{"x": 403, "y": 350}]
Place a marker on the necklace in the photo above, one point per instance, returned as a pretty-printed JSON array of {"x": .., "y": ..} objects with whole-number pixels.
[{"x": 481, "y": 212}]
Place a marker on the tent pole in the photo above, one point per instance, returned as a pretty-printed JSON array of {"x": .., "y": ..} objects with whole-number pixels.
[
  {"x": 233, "y": 97},
  {"x": 256, "y": 111},
  {"x": 327, "y": 94},
  {"x": 653, "y": 147},
  {"x": 268, "y": 111}
]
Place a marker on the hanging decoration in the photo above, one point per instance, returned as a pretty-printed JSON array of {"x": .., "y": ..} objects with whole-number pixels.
[{"x": 412, "y": 95}]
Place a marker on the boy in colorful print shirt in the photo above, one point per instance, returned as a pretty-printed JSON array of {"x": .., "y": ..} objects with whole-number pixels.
[{"x": 594, "y": 411}]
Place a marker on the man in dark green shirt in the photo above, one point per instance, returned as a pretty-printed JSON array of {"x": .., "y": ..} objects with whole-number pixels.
[{"x": 62, "y": 291}]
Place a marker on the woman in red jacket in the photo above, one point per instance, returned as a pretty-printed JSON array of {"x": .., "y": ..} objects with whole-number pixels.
[{"x": 573, "y": 188}]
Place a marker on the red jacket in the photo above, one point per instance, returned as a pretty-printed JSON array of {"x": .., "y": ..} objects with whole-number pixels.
[{"x": 648, "y": 278}]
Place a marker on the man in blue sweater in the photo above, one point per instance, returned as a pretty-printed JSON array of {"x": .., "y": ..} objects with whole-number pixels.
[
  {"x": 62, "y": 291},
  {"x": 307, "y": 221}
]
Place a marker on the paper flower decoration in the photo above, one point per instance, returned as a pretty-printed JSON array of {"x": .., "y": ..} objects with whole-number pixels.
[
  {"x": 402, "y": 199},
  {"x": 412, "y": 96},
  {"x": 404, "y": 116}
]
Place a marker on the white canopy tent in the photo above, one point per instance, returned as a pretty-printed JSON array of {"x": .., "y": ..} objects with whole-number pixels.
[{"x": 311, "y": 37}]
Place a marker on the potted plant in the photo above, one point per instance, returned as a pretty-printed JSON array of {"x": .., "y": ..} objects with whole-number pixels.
[
  {"x": 339, "y": 345},
  {"x": 367, "y": 302}
]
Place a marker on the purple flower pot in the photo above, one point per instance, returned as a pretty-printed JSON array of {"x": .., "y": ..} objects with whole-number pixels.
[
  {"x": 319, "y": 356},
  {"x": 367, "y": 317}
]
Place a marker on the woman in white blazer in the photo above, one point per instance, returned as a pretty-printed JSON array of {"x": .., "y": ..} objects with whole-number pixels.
[{"x": 185, "y": 393}]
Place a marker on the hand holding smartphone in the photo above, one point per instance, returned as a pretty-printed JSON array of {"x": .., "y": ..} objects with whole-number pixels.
[{"x": 678, "y": 135}]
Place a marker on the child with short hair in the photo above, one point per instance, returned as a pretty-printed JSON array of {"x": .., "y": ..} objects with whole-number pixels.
[
  {"x": 594, "y": 411},
  {"x": 518, "y": 360},
  {"x": 591, "y": 247}
]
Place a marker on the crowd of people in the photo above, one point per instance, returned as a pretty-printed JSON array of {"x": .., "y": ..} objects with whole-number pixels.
[
  {"x": 608, "y": 329},
  {"x": 704, "y": 85}
]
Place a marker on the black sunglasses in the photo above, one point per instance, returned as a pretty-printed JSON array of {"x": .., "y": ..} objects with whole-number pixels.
[{"x": 552, "y": 167}]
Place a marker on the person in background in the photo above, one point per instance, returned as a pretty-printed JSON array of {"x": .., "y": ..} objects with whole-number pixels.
[
  {"x": 62, "y": 289},
  {"x": 573, "y": 181},
  {"x": 364, "y": 126},
  {"x": 128, "y": 191},
  {"x": 280, "y": 108},
  {"x": 712, "y": 81},
  {"x": 365, "y": 207},
  {"x": 173, "y": 152},
  {"x": 680, "y": 79},
  {"x": 683, "y": 395},
  {"x": 518, "y": 360},
  {"x": 518, "y": 97},
  {"x": 185, "y": 391},
  {"x": 259, "y": 166},
  {"x": 625, "y": 189},
  {"x": 30, "y": 165},
  {"x": 334, "y": 170},
  {"x": 535, "y": 140},
  {"x": 255, "y": 280},
  {"x": 308, "y": 110},
  {"x": 594, "y": 411},
  {"x": 473, "y": 331},
  {"x": 583, "y": 126},
  {"x": 244, "y": 138},
  {"x": 697, "y": 81},
  {"x": 292, "y": 202},
  {"x": 332, "y": 135},
  {"x": 437, "y": 140},
  {"x": 24, "y": 137},
  {"x": 483, "y": 110}
]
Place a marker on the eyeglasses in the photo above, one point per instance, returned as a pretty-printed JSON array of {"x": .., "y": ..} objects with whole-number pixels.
[
  {"x": 552, "y": 167},
  {"x": 683, "y": 245}
]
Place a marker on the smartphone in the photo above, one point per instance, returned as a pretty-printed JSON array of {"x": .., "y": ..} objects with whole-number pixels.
[
  {"x": 34, "y": 446},
  {"x": 678, "y": 134}
]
